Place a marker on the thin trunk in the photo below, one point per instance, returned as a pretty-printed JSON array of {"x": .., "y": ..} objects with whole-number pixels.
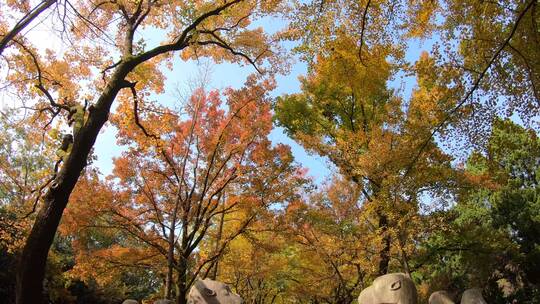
[
  {"x": 33, "y": 259},
  {"x": 214, "y": 274},
  {"x": 36, "y": 11},
  {"x": 170, "y": 253},
  {"x": 404, "y": 257},
  {"x": 384, "y": 254},
  {"x": 170, "y": 264},
  {"x": 181, "y": 283}
]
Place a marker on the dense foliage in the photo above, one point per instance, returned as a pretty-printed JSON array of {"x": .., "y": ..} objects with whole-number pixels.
[{"x": 440, "y": 181}]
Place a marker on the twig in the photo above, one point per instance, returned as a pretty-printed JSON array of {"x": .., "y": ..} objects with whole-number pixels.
[{"x": 363, "y": 28}]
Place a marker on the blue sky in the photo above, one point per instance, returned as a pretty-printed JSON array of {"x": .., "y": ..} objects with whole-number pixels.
[
  {"x": 222, "y": 76},
  {"x": 228, "y": 75},
  {"x": 234, "y": 75}
]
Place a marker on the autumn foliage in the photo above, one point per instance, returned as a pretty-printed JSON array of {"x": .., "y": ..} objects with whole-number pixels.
[{"x": 424, "y": 112}]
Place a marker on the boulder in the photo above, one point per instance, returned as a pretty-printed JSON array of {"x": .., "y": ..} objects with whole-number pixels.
[
  {"x": 440, "y": 297},
  {"x": 212, "y": 292},
  {"x": 395, "y": 288},
  {"x": 473, "y": 296}
]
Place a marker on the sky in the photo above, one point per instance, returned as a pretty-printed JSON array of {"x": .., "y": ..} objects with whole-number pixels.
[
  {"x": 228, "y": 75},
  {"x": 223, "y": 76},
  {"x": 233, "y": 75}
]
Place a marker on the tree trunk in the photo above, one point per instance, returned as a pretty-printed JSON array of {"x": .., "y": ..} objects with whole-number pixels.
[
  {"x": 384, "y": 254},
  {"x": 214, "y": 274},
  {"x": 170, "y": 265},
  {"x": 181, "y": 283},
  {"x": 33, "y": 259}
]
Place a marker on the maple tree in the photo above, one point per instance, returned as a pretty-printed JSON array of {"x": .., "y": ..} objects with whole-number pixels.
[
  {"x": 107, "y": 259},
  {"x": 212, "y": 161}
]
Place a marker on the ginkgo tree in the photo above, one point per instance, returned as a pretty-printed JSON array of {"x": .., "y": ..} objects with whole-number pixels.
[
  {"x": 106, "y": 54},
  {"x": 490, "y": 47},
  {"x": 346, "y": 112},
  {"x": 383, "y": 139}
]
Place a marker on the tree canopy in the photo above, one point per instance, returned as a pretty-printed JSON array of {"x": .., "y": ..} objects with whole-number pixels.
[{"x": 425, "y": 110}]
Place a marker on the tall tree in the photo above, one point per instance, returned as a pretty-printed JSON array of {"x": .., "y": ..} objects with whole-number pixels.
[
  {"x": 106, "y": 53},
  {"x": 490, "y": 236},
  {"x": 346, "y": 113},
  {"x": 173, "y": 194}
]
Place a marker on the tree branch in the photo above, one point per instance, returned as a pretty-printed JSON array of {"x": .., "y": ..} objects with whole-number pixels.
[
  {"x": 19, "y": 26},
  {"x": 475, "y": 86}
]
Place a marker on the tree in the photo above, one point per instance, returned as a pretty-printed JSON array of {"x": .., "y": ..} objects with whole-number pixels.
[
  {"x": 24, "y": 174},
  {"x": 25, "y": 164},
  {"x": 256, "y": 264},
  {"x": 60, "y": 81},
  {"x": 108, "y": 263},
  {"x": 496, "y": 54},
  {"x": 490, "y": 236},
  {"x": 513, "y": 156},
  {"x": 346, "y": 113},
  {"x": 213, "y": 160},
  {"x": 332, "y": 249},
  {"x": 489, "y": 48},
  {"x": 29, "y": 16}
]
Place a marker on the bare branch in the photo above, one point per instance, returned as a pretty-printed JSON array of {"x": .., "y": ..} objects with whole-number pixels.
[
  {"x": 363, "y": 28},
  {"x": 223, "y": 44},
  {"x": 36, "y": 11}
]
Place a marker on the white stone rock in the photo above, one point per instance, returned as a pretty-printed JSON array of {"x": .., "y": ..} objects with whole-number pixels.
[
  {"x": 212, "y": 292},
  {"x": 440, "y": 297},
  {"x": 395, "y": 288},
  {"x": 473, "y": 296}
]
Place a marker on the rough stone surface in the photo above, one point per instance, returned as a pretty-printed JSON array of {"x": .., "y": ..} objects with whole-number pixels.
[
  {"x": 130, "y": 301},
  {"x": 212, "y": 292},
  {"x": 440, "y": 297},
  {"x": 473, "y": 296},
  {"x": 395, "y": 288}
]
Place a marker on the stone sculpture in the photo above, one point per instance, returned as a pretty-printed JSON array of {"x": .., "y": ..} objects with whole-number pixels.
[
  {"x": 440, "y": 297},
  {"x": 473, "y": 296},
  {"x": 395, "y": 288},
  {"x": 212, "y": 292}
]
